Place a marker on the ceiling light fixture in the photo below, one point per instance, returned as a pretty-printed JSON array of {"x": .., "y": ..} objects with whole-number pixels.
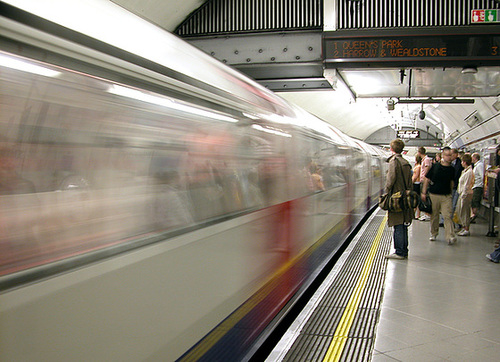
[
  {"x": 421, "y": 114},
  {"x": 469, "y": 69}
]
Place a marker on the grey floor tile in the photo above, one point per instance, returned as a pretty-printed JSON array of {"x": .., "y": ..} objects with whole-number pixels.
[
  {"x": 385, "y": 344},
  {"x": 381, "y": 357},
  {"x": 439, "y": 305},
  {"x": 490, "y": 334},
  {"x": 414, "y": 354},
  {"x": 444, "y": 349},
  {"x": 473, "y": 342},
  {"x": 488, "y": 354}
]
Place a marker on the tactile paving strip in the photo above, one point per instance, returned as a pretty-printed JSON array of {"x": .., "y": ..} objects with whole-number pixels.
[{"x": 315, "y": 338}]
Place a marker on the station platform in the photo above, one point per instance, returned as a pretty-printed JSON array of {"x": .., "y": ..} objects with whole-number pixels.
[{"x": 438, "y": 305}]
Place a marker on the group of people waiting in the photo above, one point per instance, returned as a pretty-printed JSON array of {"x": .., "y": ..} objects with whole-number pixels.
[
  {"x": 467, "y": 174},
  {"x": 452, "y": 184}
]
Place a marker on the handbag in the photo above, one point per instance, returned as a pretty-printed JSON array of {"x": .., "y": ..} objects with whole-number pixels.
[
  {"x": 400, "y": 200},
  {"x": 425, "y": 206}
]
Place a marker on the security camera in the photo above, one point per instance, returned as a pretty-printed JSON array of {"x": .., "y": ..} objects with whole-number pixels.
[
  {"x": 421, "y": 114},
  {"x": 390, "y": 104}
]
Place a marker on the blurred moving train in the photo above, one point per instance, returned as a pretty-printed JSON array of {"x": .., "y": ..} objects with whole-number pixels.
[{"x": 154, "y": 203}]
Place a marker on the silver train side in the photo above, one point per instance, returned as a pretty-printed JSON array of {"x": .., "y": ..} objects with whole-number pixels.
[{"x": 146, "y": 213}]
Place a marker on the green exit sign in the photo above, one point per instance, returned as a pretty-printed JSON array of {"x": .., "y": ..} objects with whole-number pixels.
[{"x": 485, "y": 16}]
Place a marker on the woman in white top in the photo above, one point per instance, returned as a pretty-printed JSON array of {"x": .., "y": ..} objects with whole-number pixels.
[
  {"x": 415, "y": 178},
  {"x": 465, "y": 184}
]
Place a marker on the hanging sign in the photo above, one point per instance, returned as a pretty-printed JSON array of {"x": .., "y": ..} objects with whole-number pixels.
[
  {"x": 415, "y": 133},
  {"x": 479, "y": 49}
]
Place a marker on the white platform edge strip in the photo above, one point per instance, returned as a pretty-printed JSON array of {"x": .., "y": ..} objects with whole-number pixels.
[{"x": 279, "y": 352}]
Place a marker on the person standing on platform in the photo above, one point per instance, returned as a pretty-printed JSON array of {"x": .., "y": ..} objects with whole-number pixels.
[
  {"x": 494, "y": 256},
  {"x": 399, "y": 179},
  {"x": 425, "y": 167},
  {"x": 465, "y": 184},
  {"x": 439, "y": 182},
  {"x": 415, "y": 178},
  {"x": 477, "y": 189},
  {"x": 456, "y": 162}
]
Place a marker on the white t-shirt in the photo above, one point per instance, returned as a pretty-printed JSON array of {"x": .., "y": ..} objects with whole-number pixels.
[{"x": 478, "y": 174}]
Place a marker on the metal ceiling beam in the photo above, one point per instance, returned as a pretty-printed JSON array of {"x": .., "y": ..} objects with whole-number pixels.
[
  {"x": 280, "y": 62},
  {"x": 436, "y": 101}
]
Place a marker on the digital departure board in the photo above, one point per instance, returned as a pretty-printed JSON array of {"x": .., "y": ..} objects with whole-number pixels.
[{"x": 417, "y": 48}]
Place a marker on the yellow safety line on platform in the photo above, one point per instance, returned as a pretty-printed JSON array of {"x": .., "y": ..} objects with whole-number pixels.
[{"x": 341, "y": 333}]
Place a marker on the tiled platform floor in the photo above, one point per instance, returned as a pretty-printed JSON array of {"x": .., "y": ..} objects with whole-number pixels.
[{"x": 443, "y": 303}]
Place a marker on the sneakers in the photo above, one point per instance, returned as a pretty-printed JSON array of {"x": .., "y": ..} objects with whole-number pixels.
[
  {"x": 425, "y": 218},
  {"x": 464, "y": 233},
  {"x": 453, "y": 240},
  {"x": 488, "y": 256},
  {"x": 395, "y": 256},
  {"x": 432, "y": 238}
]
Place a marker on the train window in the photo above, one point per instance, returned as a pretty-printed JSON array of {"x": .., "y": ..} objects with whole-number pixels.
[{"x": 85, "y": 168}]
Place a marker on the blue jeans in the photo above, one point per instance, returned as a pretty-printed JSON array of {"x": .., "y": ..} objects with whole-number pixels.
[
  {"x": 496, "y": 255},
  {"x": 401, "y": 239}
]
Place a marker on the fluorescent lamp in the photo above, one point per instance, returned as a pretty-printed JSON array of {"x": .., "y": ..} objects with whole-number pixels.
[
  {"x": 166, "y": 102},
  {"x": 271, "y": 130},
  {"x": 26, "y": 66}
]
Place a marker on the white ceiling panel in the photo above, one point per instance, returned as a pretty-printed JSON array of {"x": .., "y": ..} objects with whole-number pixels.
[
  {"x": 366, "y": 83},
  {"x": 167, "y": 14}
]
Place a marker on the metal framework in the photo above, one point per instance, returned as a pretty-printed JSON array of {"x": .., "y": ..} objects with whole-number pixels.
[
  {"x": 363, "y": 14},
  {"x": 251, "y": 16}
]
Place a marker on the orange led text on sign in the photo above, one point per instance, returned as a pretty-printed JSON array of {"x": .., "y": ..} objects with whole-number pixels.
[{"x": 383, "y": 48}]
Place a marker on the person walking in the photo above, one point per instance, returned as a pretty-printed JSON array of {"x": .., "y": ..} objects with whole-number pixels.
[
  {"x": 424, "y": 168},
  {"x": 415, "y": 178},
  {"x": 439, "y": 182},
  {"x": 399, "y": 179},
  {"x": 465, "y": 184},
  {"x": 456, "y": 162},
  {"x": 477, "y": 189}
]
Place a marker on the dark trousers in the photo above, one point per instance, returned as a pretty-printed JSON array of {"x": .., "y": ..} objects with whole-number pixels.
[
  {"x": 401, "y": 239},
  {"x": 496, "y": 255}
]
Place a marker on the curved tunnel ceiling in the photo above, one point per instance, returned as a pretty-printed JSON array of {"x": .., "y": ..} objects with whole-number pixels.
[{"x": 369, "y": 113}]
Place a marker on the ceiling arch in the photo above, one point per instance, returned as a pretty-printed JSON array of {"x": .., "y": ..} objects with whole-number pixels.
[{"x": 368, "y": 113}]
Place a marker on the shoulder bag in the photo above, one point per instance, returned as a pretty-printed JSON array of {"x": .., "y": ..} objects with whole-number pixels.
[{"x": 401, "y": 200}]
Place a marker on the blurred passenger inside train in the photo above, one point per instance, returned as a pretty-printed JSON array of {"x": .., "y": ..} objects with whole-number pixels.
[
  {"x": 425, "y": 167},
  {"x": 16, "y": 235},
  {"x": 477, "y": 189},
  {"x": 171, "y": 206},
  {"x": 416, "y": 179},
  {"x": 399, "y": 179},
  {"x": 255, "y": 197},
  {"x": 11, "y": 182},
  {"x": 316, "y": 177},
  {"x": 465, "y": 184},
  {"x": 439, "y": 182}
]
